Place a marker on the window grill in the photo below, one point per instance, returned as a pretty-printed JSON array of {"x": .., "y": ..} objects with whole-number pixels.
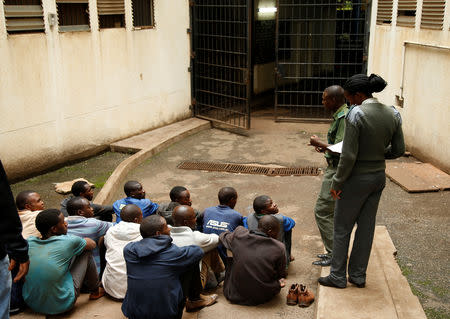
[
  {"x": 384, "y": 14},
  {"x": 111, "y": 13},
  {"x": 24, "y": 16},
  {"x": 406, "y": 13},
  {"x": 433, "y": 14},
  {"x": 73, "y": 15},
  {"x": 143, "y": 13}
]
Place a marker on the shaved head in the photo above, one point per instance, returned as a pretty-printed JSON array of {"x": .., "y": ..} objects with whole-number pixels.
[
  {"x": 336, "y": 93},
  {"x": 183, "y": 215},
  {"x": 152, "y": 225},
  {"x": 269, "y": 225},
  {"x": 130, "y": 213},
  {"x": 227, "y": 196}
]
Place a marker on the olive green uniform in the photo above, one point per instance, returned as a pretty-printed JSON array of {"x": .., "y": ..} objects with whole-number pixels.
[{"x": 324, "y": 210}]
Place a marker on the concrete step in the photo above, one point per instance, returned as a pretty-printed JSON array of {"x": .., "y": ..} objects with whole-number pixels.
[
  {"x": 387, "y": 294},
  {"x": 155, "y": 137}
]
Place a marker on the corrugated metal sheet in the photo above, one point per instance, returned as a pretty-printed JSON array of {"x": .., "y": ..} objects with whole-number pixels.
[{"x": 433, "y": 14}]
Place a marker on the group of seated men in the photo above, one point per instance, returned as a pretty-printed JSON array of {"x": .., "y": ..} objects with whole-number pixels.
[{"x": 158, "y": 259}]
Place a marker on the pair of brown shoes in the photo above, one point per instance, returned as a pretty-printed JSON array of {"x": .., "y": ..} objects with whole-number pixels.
[{"x": 298, "y": 294}]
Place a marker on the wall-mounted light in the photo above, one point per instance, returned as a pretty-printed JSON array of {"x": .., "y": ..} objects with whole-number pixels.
[{"x": 267, "y": 10}]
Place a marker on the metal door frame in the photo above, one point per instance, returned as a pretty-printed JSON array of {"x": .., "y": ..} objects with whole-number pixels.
[
  {"x": 316, "y": 111},
  {"x": 214, "y": 112}
]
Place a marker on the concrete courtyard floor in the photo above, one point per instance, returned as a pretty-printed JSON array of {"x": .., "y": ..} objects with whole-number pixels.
[{"x": 418, "y": 223}]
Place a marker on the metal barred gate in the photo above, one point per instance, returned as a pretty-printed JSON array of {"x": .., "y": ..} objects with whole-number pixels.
[
  {"x": 220, "y": 60},
  {"x": 318, "y": 43}
]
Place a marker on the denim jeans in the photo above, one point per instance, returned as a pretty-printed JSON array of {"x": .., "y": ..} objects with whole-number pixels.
[{"x": 5, "y": 289}]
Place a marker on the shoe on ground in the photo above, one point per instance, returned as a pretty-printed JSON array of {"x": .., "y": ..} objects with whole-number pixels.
[
  {"x": 362, "y": 285},
  {"x": 325, "y": 262},
  {"x": 97, "y": 294},
  {"x": 321, "y": 256},
  {"x": 292, "y": 296},
  {"x": 305, "y": 297},
  {"x": 204, "y": 301},
  {"x": 326, "y": 281}
]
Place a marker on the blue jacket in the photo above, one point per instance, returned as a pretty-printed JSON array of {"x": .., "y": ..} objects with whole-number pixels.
[
  {"x": 154, "y": 266},
  {"x": 146, "y": 205}
]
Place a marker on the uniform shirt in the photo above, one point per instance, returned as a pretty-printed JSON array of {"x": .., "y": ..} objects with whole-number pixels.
[
  {"x": 373, "y": 133},
  {"x": 336, "y": 130},
  {"x": 146, "y": 205},
  {"x": 49, "y": 286},
  {"x": 88, "y": 227}
]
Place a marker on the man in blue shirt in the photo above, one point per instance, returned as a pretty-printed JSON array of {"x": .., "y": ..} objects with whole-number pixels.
[
  {"x": 221, "y": 218},
  {"x": 135, "y": 195},
  {"x": 161, "y": 275}
]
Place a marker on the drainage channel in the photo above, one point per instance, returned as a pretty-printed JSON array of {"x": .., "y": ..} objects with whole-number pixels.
[{"x": 249, "y": 169}]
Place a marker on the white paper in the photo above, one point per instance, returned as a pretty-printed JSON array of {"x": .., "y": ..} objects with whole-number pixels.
[{"x": 336, "y": 148}]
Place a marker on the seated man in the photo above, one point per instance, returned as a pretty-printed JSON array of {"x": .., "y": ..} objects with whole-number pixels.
[
  {"x": 81, "y": 224},
  {"x": 184, "y": 234},
  {"x": 83, "y": 189},
  {"x": 135, "y": 195},
  {"x": 55, "y": 277},
  {"x": 179, "y": 195},
  {"x": 161, "y": 275},
  {"x": 29, "y": 204},
  {"x": 264, "y": 205},
  {"x": 255, "y": 272},
  {"x": 217, "y": 219},
  {"x": 114, "y": 277}
]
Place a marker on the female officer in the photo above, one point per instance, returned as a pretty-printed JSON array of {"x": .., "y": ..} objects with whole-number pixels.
[{"x": 373, "y": 133}]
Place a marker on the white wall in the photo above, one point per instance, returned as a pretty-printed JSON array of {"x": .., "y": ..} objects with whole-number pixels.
[
  {"x": 62, "y": 94},
  {"x": 420, "y": 59}
]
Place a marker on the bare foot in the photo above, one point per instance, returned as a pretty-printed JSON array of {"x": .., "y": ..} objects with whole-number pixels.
[{"x": 282, "y": 282}]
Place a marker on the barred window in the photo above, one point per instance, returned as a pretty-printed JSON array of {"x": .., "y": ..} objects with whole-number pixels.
[
  {"x": 73, "y": 15},
  {"x": 111, "y": 13},
  {"x": 24, "y": 16},
  {"x": 143, "y": 15}
]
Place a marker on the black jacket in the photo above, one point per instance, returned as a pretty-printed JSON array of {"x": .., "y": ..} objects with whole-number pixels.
[{"x": 11, "y": 239}]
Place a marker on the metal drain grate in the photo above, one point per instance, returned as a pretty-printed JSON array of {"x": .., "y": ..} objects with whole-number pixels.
[{"x": 250, "y": 169}]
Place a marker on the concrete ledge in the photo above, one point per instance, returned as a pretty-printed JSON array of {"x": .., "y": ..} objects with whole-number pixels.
[
  {"x": 387, "y": 294},
  {"x": 407, "y": 305},
  {"x": 146, "y": 145}
]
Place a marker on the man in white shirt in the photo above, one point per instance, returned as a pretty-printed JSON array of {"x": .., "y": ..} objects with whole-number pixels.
[
  {"x": 183, "y": 234},
  {"x": 114, "y": 277}
]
